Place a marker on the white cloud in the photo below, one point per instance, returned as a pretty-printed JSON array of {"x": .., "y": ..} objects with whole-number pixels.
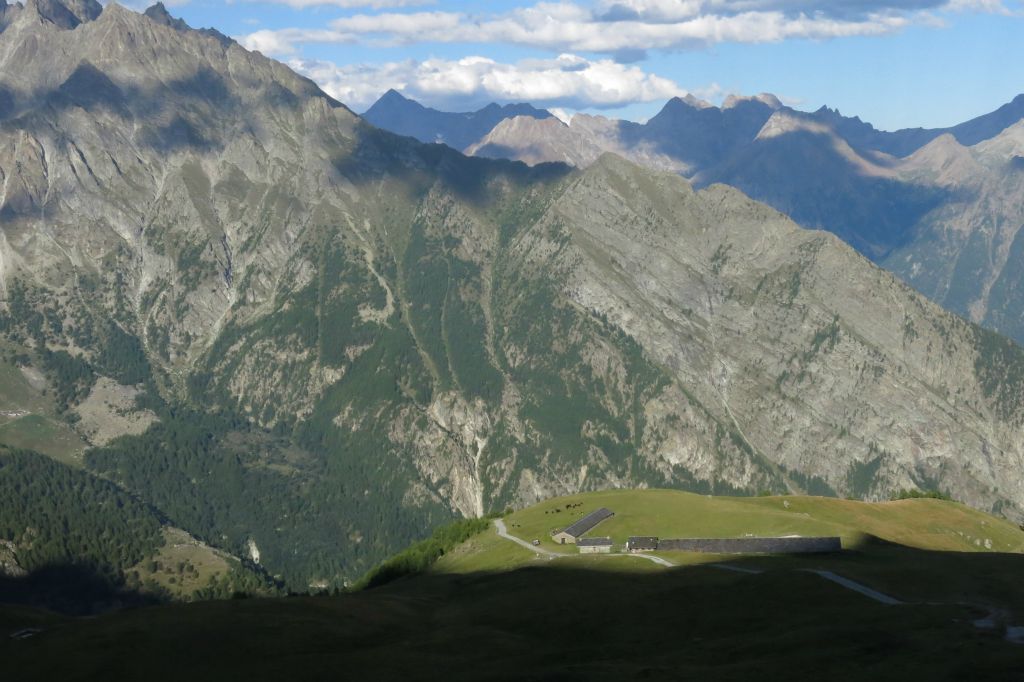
[
  {"x": 567, "y": 81},
  {"x": 400, "y": 24},
  {"x": 285, "y": 42},
  {"x": 712, "y": 92},
  {"x": 350, "y": 4},
  {"x": 562, "y": 114},
  {"x": 675, "y": 10},
  {"x": 984, "y": 6},
  {"x": 628, "y": 28}
]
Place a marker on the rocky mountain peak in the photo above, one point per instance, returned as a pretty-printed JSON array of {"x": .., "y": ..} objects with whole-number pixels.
[
  {"x": 696, "y": 102},
  {"x": 1005, "y": 146},
  {"x": 826, "y": 113},
  {"x": 783, "y": 122},
  {"x": 949, "y": 162},
  {"x": 159, "y": 14},
  {"x": 67, "y": 14},
  {"x": 765, "y": 98},
  {"x": 393, "y": 96},
  {"x": 989, "y": 125},
  {"x": 686, "y": 103},
  {"x": 807, "y": 137}
]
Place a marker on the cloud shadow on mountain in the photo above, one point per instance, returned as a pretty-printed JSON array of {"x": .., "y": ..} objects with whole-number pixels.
[{"x": 377, "y": 153}]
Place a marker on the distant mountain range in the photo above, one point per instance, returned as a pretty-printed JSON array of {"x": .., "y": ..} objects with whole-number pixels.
[
  {"x": 939, "y": 207},
  {"x": 457, "y": 130}
]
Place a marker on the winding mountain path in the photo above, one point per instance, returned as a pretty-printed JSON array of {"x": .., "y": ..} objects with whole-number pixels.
[
  {"x": 855, "y": 586},
  {"x": 1013, "y": 634},
  {"x": 503, "y": 532},
  {"x": 868, "y": 592},
  {"x": 656, "y": 559}
]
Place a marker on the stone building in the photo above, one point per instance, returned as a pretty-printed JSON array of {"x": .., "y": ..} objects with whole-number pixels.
[
  {"x": 641, "y": 543},
  {"x": 594, "y": 545}
]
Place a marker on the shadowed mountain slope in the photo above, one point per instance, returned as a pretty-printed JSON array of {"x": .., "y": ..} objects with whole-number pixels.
[{"x": 966, "y": 253}]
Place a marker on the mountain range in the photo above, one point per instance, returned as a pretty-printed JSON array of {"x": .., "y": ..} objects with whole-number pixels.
[
  {"x": 939, "y": 207},
  {"x": 457, "y": 130},
  {"x": 305, "y": 340}
]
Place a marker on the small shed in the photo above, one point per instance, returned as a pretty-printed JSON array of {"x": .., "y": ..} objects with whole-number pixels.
[
  {"x": 594, "y": 545},
  {"x": 641, "y": 543},
  {"x": 574, "y": 532}
]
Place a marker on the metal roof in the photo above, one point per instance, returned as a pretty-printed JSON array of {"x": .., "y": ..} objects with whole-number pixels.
[
  {"x": 594, "y": 542},
  {"x": 587, "y": 522},
  {"x": 642, "y": 542}
]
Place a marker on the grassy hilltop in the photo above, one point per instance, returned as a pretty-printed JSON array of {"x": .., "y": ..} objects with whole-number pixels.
[
  {"x": 925, "y": 524},
  {"x": 490, "y": 609},
  {"x": 922, "y": 523}
]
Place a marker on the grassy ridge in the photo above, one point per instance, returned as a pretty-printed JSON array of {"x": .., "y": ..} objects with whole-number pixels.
[
  {"x": 924, "y": 549},
  {"x": 921, "y": 523},
  {"x": 422, "y": 555}
]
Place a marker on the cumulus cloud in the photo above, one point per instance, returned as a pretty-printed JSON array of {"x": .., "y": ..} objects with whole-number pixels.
[
  {"x": 986, "y": 6},
  {"x": 567, "y": 81},
  {"x": 351, "y": 4},
  {"x": 141, "y": 5},
  {"x": 279, "y": 43},
  {"x": 628, "y": 28},
  {"x": 677, "y": 10}
]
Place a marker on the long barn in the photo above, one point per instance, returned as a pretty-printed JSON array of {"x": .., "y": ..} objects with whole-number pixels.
[{"x": 574, "y": 532}]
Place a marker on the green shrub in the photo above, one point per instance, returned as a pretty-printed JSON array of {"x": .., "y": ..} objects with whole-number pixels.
[
  {"x": 915, "y": 494},
  {"x": 421, "y": 556}
]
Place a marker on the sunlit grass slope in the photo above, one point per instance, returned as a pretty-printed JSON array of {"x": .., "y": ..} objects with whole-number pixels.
[
  {"x": 927, "y": 524},
  {"x": 28, "y": 418},
  {"x": 921, "y": 523}
]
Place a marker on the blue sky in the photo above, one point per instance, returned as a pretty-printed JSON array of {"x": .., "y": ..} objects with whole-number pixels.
[{"x": 895, "y": 63}]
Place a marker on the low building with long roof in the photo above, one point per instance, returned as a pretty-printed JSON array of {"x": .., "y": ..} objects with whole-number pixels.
[
  {"x": 573, "y": 533},
  {"x": 594, "y": 545}
]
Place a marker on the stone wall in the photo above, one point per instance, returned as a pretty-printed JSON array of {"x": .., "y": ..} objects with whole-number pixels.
[{"x": 753, "y": 545}]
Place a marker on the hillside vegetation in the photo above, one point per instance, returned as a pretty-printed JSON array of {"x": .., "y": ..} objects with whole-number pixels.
[
  {"x": 601, "y": 617},
  {"x": 74, "y": 542}
]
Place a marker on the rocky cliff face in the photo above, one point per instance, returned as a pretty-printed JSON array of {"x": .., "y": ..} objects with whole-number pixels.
[
  {"x": 966, "y": 253},
  {"x": 427, "y": 334},
  {"x": 536, "y": 141},
  {"x": 9, "y": 567}
]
